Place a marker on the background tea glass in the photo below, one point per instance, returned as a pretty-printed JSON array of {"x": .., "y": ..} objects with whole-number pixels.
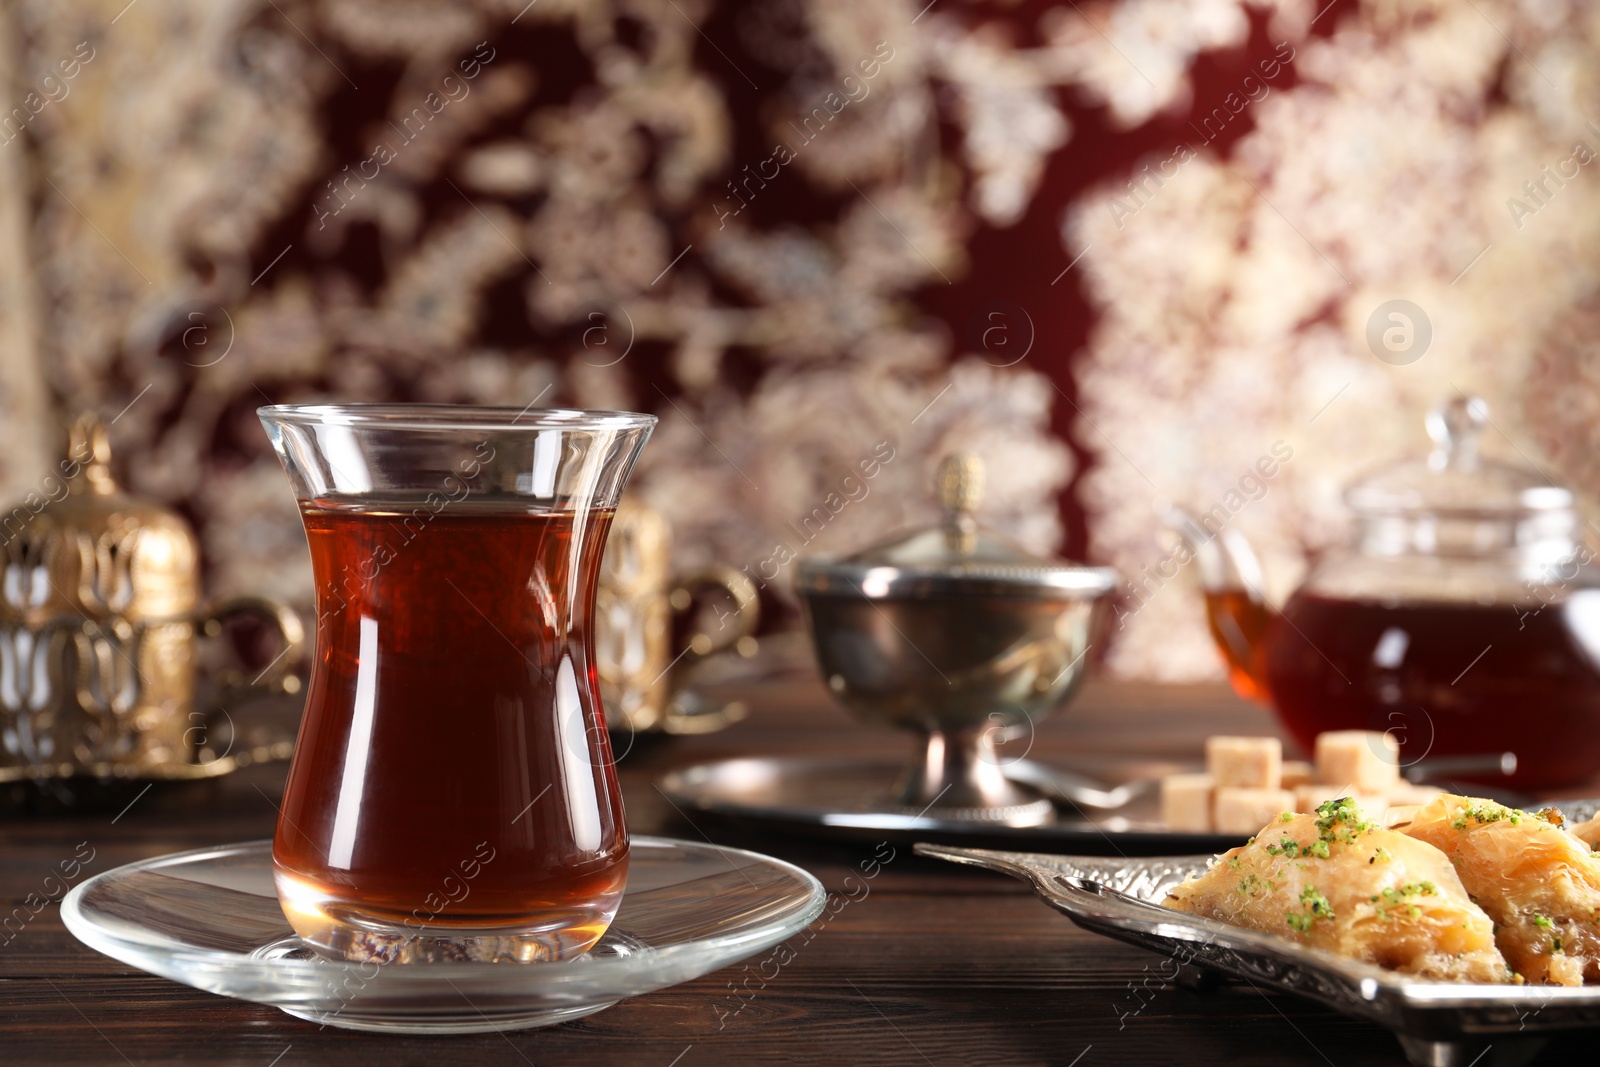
[{"x": 453, "y": 794}]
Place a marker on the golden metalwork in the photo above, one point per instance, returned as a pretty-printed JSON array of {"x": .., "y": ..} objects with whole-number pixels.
[
  {"x": 641, "y": 678},
  {"x": 100, "y": 607}
]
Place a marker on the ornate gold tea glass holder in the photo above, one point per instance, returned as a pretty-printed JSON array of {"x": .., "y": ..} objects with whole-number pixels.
[
  {"x": 642, "y": 681},
  {"x": 100, "y": 616}
]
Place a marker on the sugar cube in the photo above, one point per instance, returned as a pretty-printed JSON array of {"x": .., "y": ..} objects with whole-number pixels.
[
  {"x": 1369, "y": 761},
  {"x": 1244, "y": 811},
  {"x": 1186, "y": 802},
  {"x": 1296, "y": 773},
  {"x": 1245, "y": 762}
]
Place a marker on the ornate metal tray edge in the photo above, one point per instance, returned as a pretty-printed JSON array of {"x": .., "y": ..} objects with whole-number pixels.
[
  {"x": 276, "y": 752},
  {"x": 1116, "y": 898}
]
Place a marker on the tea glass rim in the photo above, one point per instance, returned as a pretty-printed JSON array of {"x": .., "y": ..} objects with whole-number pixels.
[{"x": 404, "y": 416}]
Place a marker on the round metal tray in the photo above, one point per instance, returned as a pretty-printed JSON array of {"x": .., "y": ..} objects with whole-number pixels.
[{"x": 853, "y": 799}]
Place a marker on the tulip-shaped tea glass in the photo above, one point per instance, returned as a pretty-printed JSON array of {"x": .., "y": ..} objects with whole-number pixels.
[{"x": 453, "y": 795}]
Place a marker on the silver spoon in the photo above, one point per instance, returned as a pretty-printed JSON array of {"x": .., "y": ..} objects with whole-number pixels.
[{"x": 1073, "y": 788}]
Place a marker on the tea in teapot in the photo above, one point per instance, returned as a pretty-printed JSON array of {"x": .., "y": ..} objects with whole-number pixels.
[{"x": 1463, "y": 618}]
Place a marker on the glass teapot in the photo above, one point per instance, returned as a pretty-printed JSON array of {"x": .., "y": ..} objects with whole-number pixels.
[{"x": 1463, "y": 617}]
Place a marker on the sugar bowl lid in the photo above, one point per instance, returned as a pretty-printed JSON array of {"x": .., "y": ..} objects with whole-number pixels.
[
  {"x": 1454, "y": 480},
  {"x": 954, "y": 558}
]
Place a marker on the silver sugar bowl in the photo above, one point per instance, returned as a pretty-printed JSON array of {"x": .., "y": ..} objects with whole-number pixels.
[{"x": 959, "y": 636}]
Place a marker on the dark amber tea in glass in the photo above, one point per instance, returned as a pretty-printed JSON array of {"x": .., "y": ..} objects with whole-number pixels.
[{"x": 452, "y": 794}]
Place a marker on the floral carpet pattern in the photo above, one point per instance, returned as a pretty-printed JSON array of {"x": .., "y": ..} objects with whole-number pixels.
[{"x": 742, "y": 217}]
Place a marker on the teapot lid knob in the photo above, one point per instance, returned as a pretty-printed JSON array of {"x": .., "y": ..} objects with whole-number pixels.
[
  {"x": 1455, "y": 426},
  {"x": 959, "y": 483}
]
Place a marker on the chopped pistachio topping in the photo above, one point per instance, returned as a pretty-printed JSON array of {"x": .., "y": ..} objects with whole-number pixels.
[
  {"x": 1340, "y": 821},
  {"x": 1488, "y": 813},
  {"x": 1395, "y": 896},
  {"x": 1543, "y": 922},
  {"x": 1317, "y": 907}
]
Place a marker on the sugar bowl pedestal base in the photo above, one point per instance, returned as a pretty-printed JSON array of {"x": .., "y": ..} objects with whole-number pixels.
[{"x": 960, "y": 777}]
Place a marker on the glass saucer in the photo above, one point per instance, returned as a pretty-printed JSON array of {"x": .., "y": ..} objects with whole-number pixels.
[{"x": 210, "y": 919}]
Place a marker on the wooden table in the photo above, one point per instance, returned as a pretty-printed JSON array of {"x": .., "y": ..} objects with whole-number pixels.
[{"x": 936, "y": 965}]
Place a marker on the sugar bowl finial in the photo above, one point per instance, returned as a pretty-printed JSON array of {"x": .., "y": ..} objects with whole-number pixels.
[
  {"x": 958, "y": 485},
  {"x": 959, "y": 482}
]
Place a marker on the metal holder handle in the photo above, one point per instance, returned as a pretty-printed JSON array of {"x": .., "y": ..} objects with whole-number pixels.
[
  {"x": 277, "y": 676},
  {"x": 746, "y": 618}
]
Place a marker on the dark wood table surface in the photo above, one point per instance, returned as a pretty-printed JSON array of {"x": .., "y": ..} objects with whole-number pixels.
[{"x": 936, "y": 965}]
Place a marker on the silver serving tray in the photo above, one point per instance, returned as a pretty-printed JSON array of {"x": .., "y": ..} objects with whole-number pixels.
[
  {"x": 853, "y": 798},
  {"x": 1439, "y": 1024}
]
